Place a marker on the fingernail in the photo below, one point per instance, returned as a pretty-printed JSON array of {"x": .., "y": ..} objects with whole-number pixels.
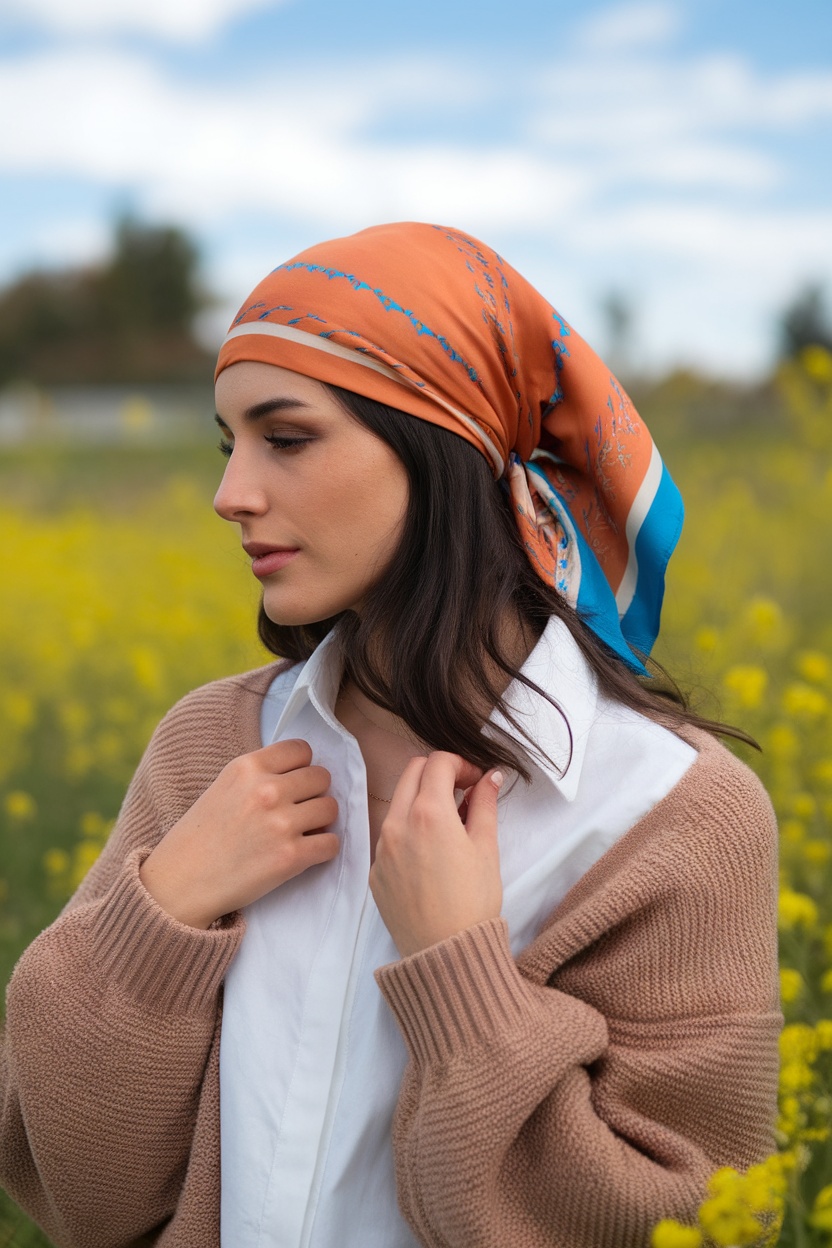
[{"x": 497, "y": 778}]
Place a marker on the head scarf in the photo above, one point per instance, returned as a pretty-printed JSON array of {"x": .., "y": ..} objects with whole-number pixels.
[{"x": 428, "y": 320}]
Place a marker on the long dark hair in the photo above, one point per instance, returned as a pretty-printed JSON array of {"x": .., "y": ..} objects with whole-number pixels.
[{"x": 459, "y": 571}]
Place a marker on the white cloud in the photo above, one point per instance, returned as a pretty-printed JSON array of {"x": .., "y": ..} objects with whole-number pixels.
[
  {"x": 628, "y": 26},
  {"x": 606, "y": 105},
  {"x": 183, "y": 21},
  {"x": 642, "y": 122},
  {"x": 763, "y": 248},
  {"x": 636, "y": 170},
  {"x": 203, "y": 152},
  {"x": 697, "y": 165}
]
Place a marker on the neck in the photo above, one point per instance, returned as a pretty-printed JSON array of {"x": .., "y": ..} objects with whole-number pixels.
[{"x": 518, "y": 641}]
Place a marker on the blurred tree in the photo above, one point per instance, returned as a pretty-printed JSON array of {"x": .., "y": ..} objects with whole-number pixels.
[
  {"x": 151, "y": 281},
  {"x": 127, "y": 320},
  {"x": 804, "y": 323}
]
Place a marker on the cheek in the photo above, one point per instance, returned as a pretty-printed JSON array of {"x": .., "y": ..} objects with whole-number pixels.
[
  {"x": 365, "y": 509},
  {"x": 381, "y": 513}
]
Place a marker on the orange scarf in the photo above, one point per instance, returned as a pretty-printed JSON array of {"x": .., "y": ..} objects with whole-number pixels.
[{"x": 430, "y": 321}]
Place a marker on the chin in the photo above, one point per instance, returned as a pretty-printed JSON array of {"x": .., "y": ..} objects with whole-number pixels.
[{"x": 293, "y": 615}]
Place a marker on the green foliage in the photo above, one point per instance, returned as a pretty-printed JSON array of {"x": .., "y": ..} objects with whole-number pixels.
[
  {"x": 128, "y": 320},
  {"x": 16, "y": 1231},
  {"x": 805, "y": 323}
]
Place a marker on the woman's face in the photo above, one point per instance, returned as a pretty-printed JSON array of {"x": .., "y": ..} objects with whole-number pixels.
[{"x": 306, "y": 476}]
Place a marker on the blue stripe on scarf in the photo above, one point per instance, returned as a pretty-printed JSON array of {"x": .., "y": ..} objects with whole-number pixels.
[{"x": 655, "y": 543}]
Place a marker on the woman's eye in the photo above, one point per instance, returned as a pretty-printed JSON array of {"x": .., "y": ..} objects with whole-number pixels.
[
  {"x": 285, "y": 444},
  {"x": 282, "y": 444}
]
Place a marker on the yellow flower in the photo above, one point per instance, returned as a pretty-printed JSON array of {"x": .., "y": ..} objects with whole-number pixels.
[
  {"x": 723, "y": 1182},
  {"x": 765, "y": 620},
  {"x": 784, "y": 744},
  {"x": 826, "y": 981},
  {"x": 147, "y": 669},
  {"x": 821, "y": 1215},
  {"x": 19, "y": 805},
  {"x": 671, "y": 1234},
  {"x": 822, "y": 772},
  {"x": 18, "y": 709},
  {"x": 795, "y": 1077},
  {"x": 796, "y": 910},
  {"x": 793, "y": 831},
  {"x": 817, "y": 853},
  {"x": 804, "y": 703},
  {"x": 85, "y": 856},
  {"x": 823, "y": 1031},
  {"x": 56, "y": 862},
  {"x": 706, "y": 639},
  {"x": 725, "y": 1221},
  {"x": 818, "y": 363},
  {"x": 747, "y": 683},
  {"x": 791, "y": 984},
  {"x": 92, "y": 824},
  {"x": 765, "y": 1183},
  {"x": 813, "y": 666},
  {"x": 791, "y": 1117},
  {"x": 798, "y": 1041},
  {"x": 804, "y": 805}
]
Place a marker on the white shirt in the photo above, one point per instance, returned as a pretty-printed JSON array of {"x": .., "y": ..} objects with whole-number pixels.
[{"x": 310, "y": 1057}]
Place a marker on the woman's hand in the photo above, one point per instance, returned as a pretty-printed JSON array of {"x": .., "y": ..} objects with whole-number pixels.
[
  {"x": 434, "y": 875},
  {"x": 259, "y": 824}
]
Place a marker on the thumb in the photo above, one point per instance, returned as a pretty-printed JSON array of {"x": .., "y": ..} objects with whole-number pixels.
[{"x": 481, "y": 817}]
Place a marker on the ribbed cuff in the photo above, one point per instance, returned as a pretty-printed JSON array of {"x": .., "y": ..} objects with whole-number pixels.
[
  {"x": 459, "y": 992},
  {"x": 151, "y": 956}
]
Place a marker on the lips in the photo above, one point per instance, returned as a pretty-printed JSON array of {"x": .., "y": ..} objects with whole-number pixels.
[
  {"x": 266, "y": 559},
  {"x": 257, "y": 549}
]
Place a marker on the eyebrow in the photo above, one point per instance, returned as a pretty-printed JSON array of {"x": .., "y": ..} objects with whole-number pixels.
[{"x": 267, "y": 408}]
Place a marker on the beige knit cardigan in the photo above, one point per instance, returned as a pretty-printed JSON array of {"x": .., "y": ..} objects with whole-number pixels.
[{"x": 570, "y": 1099}]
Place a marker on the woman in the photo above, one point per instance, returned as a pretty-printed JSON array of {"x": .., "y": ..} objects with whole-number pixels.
[{"x": 460, "y": 788}]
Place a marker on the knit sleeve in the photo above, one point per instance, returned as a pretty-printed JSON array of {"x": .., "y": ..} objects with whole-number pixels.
[
  {"x": 578, "y": 1098},
  {"x": 112, "y": 1013}
]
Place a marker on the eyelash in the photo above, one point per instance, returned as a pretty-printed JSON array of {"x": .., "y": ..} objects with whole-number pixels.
[{"x": 280, "y": 444}]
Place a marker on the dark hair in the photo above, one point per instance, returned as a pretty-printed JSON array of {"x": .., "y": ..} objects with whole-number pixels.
[{"x": 459, "y": 571}]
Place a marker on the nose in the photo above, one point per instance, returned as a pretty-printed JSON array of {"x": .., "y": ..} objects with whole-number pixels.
[{"x": 239, "y": 495}]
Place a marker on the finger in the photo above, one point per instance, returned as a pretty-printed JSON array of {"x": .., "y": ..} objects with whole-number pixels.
[
  {"x": 308, "y": 817},
  {"x": 481, "y": 819},
  {"x": 407, "y": 787},
  {"x": 305, "y": 782},
  {"x": 282, "y": 756},
  {"x": 445, "y": 772},
  {"x": 321, "y": 848}
]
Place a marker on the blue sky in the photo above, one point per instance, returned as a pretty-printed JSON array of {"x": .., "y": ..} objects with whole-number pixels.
[{"x": 678, "y": 153}]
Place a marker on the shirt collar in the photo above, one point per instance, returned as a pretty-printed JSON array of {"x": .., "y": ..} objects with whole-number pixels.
[{"x": 556, "y": 664}]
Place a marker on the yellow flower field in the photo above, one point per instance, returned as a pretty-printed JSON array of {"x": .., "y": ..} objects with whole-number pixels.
[{"x": 110, "y": 613}]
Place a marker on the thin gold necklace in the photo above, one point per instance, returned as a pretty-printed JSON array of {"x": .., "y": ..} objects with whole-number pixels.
[{"x": 390, "y": 732}]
